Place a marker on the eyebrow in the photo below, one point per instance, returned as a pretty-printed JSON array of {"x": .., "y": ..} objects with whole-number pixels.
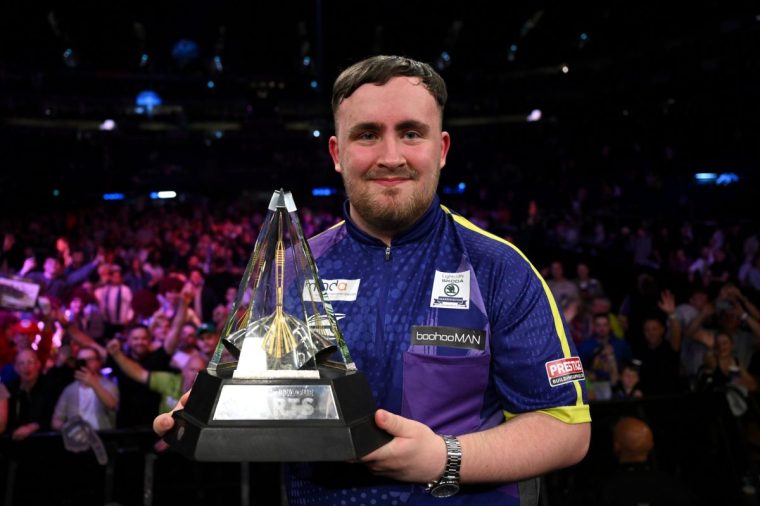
[{"x": 400, "y": 127}]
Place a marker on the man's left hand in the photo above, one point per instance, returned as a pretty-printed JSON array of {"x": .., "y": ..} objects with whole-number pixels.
[{"x": 416, "y": 453}]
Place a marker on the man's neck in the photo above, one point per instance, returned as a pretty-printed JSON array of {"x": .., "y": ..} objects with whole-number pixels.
[
  {"x": 382, "y": 235},
  {"x": 27, "y": 386}
]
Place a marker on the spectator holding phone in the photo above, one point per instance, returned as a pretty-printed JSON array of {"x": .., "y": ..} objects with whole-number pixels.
[{"x": 92, "y": 396}]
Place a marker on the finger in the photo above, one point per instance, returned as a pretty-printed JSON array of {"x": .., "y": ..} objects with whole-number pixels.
[
  {"x": 395, "y": 425},
  {"x": 182, "y": 401},
  {"x": 163, "y": 423}
]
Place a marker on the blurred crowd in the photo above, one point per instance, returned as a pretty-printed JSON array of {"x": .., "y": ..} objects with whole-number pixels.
[{"x": 133, "y": 297}]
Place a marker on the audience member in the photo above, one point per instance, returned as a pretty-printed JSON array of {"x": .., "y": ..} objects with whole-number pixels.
[
  {"x": 659, "y": 361},
  {"x": 564, "y": 290},
  {"x": 52, "y": 280},
  {"x": 636, "y": 481},
  {"x": 628, "y": 385},
  {"x": 92, "y": 397},
  {"x": 30, "y": 405},
  {"x": 601, "y": 354},
  {"x": 115, "y": 302}
]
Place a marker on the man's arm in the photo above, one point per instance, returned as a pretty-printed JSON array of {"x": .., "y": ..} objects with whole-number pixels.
[
  {"x": 526, "y": 446},
  {"x": 126, "y": 364},
  {"x": 667, "y": 305},
  {"x": 83, "y": 339},
  {"x": 109, "y": 400},
  {"x": 80, "y": 275},
  {"x": 171, "y": 342}
]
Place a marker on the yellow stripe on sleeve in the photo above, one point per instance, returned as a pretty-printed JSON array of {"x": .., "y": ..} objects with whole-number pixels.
[{"x": 558, "y": 327}]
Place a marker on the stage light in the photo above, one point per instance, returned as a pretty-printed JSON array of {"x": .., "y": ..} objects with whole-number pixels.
[
  {"x": 147, "y": 99},
  {"x": 184, "y": 51},
  {"x": 565, "y": 69},
  {"x": 163, "y": 195},
  {"x": 218, "y": 134},
  {"x": 323, "y": 191},
  {"x": 454, "y": 190},
  {"x": 108, "y": 125},
  {"x": 56, "y": 192},
  {"x": 535, "y": 115},
  {"x": 726, "y": 179},
  {"x": 314, "y": 84},
  {"x": 315, "y": 133},
  {"x": 218, "y": 67},
  {"x": 144, "y": 59},
  {"x": 582, "y": 39},
  {"x": 70, "y": 58},
  {"x": 210, "y": 85},
  {"x": 705, "y": 177},
  {"x": 113, "y": 196},
  {"x": 512, "y": 54},
  {"x": 444, "y": 60},
  {"x": 306, "y": 61}
]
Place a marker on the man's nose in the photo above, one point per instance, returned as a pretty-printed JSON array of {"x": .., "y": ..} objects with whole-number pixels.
[{"x": 392, "y": 155}]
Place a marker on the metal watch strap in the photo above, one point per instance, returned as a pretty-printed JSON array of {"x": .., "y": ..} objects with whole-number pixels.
[{"x": 450, "y": 476}]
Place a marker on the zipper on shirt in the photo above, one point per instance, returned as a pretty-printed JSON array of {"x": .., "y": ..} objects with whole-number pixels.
[{"x": 387, "y": 253}]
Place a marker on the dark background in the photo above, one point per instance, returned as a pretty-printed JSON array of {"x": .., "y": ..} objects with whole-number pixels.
[{"x": 653, "y": 94}]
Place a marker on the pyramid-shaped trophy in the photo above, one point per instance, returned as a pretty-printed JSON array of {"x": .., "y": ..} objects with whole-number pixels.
[{"x": 281, "y": 385}]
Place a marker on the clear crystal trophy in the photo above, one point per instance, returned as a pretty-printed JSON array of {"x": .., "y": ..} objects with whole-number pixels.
[{"x": 281, "y": 385}]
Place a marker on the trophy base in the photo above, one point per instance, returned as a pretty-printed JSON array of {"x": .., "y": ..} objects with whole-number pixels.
[{"x": 278, "y": 420}]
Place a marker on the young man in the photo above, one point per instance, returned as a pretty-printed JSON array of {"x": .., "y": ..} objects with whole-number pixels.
[{"x": 510, "y": 399}]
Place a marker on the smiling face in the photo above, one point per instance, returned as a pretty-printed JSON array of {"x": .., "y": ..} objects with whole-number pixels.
[
  {"x": 138, "y": 341},
  {"x": 389, "y": 148}
]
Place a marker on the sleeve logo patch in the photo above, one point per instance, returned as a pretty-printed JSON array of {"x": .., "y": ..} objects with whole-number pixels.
[{"x": 564, "y": 371}]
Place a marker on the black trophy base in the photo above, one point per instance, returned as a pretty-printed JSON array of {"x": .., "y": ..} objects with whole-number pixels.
[{"x": 345, "y": 431}]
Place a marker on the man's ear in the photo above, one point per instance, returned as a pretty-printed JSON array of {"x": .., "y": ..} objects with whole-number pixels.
[
  {"x": 445, "y": 145},
  {"x": 334, "y": 153}
]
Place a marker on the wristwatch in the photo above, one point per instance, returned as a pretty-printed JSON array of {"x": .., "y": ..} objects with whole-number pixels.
[{"x": 448, "y": 484}]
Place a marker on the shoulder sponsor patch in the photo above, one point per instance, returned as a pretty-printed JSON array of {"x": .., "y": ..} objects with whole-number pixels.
[
  {"x": 336, "y": 289},
  {"x": 449, "y": 336},
  {"x": 451, "y": 290},
  {"x": 564, "y": 371}
]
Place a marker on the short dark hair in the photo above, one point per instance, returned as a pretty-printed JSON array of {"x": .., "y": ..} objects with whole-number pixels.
[
  {"x": 135, "y": 326},
  {"x": 381, "y": 69}
]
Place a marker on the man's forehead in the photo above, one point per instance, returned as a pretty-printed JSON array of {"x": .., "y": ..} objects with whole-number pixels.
[
  {"x": 386, "y": 99},
  {"x": 26, "y": 356}
]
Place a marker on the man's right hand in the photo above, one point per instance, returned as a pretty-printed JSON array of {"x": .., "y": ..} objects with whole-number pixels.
[
  {"x": 164, "y": 422},
  {"x": 114, "y": 346}
]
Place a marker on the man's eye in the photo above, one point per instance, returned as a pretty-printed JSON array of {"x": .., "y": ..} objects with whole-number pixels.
[
  {"x": 412, "y": 134},
  {"x": 367, "y": 136}
]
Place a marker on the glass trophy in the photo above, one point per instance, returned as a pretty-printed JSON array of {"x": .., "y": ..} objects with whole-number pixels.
[{"x": 281, "y": 385}]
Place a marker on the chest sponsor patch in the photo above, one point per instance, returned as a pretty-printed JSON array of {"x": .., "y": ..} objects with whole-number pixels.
[
  {"x": 451, "y": 290},
  {"x": 564, "y": 371},
  {"x": 449, "y": 336},
  {"x": 336, "y": 289}
]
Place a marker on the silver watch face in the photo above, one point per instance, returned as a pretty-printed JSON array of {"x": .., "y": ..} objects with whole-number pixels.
[{"x": 446, "y": 489}]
